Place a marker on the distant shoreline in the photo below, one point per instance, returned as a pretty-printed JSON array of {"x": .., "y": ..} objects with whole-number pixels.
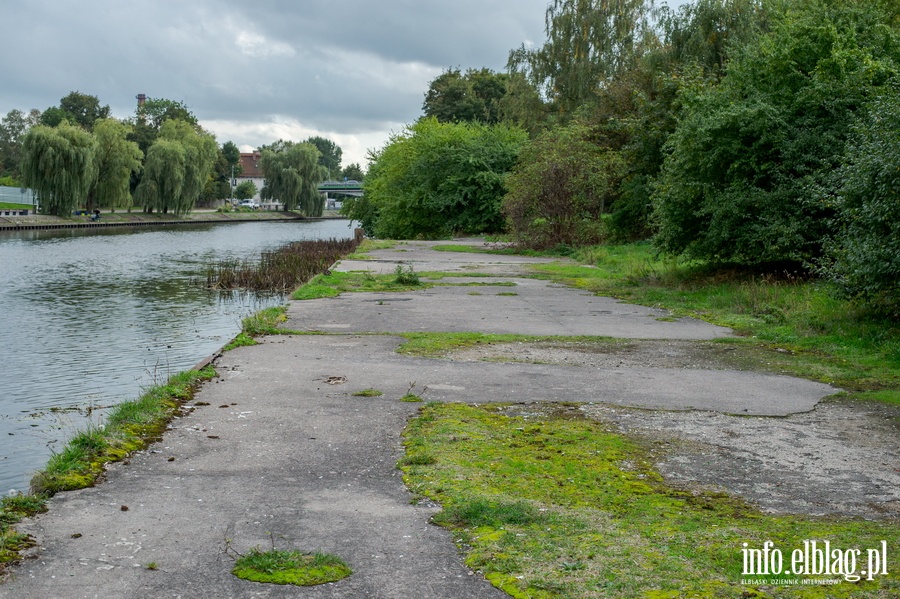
[{"x": 138, "y": 219}]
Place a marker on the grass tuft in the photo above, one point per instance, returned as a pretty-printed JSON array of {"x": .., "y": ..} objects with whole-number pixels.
[
  {"x": 406, "y": 276},
  {"x": 290, "y": 567}
]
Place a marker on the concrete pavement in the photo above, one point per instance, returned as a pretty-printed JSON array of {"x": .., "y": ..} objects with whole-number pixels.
[{"x": 277, "y": 449}]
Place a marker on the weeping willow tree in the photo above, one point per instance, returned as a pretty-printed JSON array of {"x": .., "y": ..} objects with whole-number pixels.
[
  {"x": 116, "y": 158},
  {"x": 58, "y": 164},
  {"x": 177, "y": 167},
  {"x": 292, "y": 176},
  {"x": 163, "y": 178}
]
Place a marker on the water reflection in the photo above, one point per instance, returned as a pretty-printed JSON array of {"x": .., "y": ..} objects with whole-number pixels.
[{"x": 90, "y": 318}]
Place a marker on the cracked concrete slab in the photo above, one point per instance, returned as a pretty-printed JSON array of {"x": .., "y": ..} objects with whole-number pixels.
[
  {"x": 278, "y": 449},
  {"x": 531, "y": 307}
]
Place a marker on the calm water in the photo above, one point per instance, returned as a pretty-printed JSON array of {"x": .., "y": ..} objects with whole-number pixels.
[{"x": 90, "y": 318}]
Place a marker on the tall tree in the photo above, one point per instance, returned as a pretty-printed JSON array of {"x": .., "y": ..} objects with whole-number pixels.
[
  {"x": 163, "y": 178},
  {"x": 58, "y": 164},
  {"x": 12, "y": 130},
  {"x": 353, "y": 172},
  {"x": 293, "y": 176},
  {"x": 454, "y": 97},
  {"x": 232, "y": 155},
  {"x": 116, "y": 158},
  {"x": 218, "y": 185},
  {"x": 330, "y": 155},
  {"x": 77, "y": 108},
  {"x": 177, "y": 168},
  {"x": 589, "y": 42}
]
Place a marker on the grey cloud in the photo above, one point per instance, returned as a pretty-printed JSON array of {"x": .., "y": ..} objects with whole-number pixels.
[{"x": 347, "y": 67}]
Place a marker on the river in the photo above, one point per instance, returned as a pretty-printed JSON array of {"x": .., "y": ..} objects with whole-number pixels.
[{"x": 92, "y": 317}]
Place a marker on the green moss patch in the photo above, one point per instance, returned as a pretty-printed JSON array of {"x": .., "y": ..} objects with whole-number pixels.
[
  {"x": 290, "y": 567},
  {"x": 555, "y": 505},
  {"x": 436, "y": 345},
  {"x": 13, "y": 509},
  {"x": 368, "y": 393}
]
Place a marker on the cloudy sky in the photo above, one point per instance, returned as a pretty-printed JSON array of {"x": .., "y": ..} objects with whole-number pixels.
[{"x": 254, "y": 72}]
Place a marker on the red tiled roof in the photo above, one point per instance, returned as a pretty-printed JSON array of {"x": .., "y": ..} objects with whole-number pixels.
[{"x": 250, "y": 164}]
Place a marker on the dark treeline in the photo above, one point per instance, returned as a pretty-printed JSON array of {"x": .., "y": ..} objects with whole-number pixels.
[{"x": 759, "y": 133}]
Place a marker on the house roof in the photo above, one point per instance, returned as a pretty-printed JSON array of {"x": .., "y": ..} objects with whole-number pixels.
[{"x": 250, "y": 165}]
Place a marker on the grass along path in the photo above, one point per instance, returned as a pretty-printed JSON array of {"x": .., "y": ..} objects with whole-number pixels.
[{"x": 805, "y": 328}]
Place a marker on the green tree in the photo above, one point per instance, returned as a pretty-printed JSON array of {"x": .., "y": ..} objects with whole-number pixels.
[
  {"x": 589, "y": 42},
  {"x": 330, "y": 155},
  {"x": 477, "y": 95},
  {"x": 218, "y": 185},
  {"x": 694, "y": 45},
  {"x": 353, "y": 172},
  {"x": 748, "y": 174},
  {"x": 705, "y": 33},
  {"x": 561, "y": 186},
  {"x": 292, "y": 176},
  {"x": 59, "y": 165},
  {"x": 12, "y": 130},
  {"x": 77, "y": 108},
  {"x": 116, "y": 158},
  {"x": 232, "y": 156},
  {"x": 163, "y": 180},
  {"x": 150, "y": 116},
  {"x": 436, "y": 178},
  {"x": 245, "y": 190},
  {"x": 177, "y": 168}
]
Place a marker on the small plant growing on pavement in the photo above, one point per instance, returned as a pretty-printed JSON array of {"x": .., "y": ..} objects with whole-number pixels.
[
  {"x": 406, "y": 276},
  {"x": 287, "y": 566}
]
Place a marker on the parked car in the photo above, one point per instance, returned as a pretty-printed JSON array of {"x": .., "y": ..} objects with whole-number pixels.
[{"x": 252, "y": 204}]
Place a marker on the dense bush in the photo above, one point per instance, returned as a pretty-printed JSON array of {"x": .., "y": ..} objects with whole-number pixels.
[
  {"x": 749, "y": 169},
  {"x": 867, "y": 253},
  {"x": 560, "y": 188},
  {"x": 435, "y": 179}
]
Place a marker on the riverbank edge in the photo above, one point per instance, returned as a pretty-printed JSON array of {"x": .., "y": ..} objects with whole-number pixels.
[
  {"x": 140, "y": 219},
  {"x": 15, "y": 508}
]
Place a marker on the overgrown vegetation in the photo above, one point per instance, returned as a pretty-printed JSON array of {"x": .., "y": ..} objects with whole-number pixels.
[
  {"x": 437, "y": 178},
  {"x": 283, "y": 269},
  {"x": 746, "y": 132},
  {"x": 129, "y": 426},
  {"x": 819, "y": 334},
  {"x": 555, "y": 505}
]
